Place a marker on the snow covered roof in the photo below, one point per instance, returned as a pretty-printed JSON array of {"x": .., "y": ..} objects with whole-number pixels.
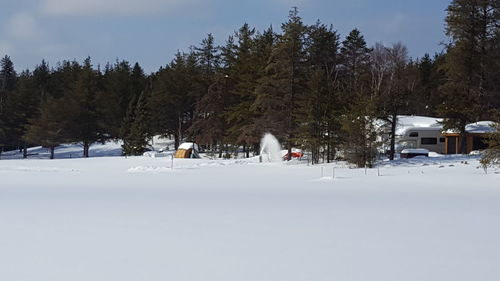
[
  {"x": 481, "y": 127},
  {"x": 188, "y": 145},
  {"x": 406, "y": 122}
]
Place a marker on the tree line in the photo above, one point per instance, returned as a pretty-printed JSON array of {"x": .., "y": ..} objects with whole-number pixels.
[{"x": 306, "y": 84}]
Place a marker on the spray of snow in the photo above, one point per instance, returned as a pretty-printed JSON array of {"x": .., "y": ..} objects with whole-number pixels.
[{"x": 270, "y": 149}]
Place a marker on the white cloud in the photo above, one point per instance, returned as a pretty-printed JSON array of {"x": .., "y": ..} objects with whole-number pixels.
[
  {"x": 23, "y": 26},
  {"x": 394, "y": 24},
  {"x": 108, "y": 7},
  {"x": 24, "y": 36}
]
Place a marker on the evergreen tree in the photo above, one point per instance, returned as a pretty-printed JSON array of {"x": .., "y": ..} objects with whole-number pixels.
[
  {"x": 121, "y": 85},
  {"x": 491, "y": 156},
  {"x": 8, "y": 78},
  {"x": 472, "y": 26},
  {"x": 21, "y": 105},
  {"x": 360, "y": 146},
  {"x": 48, "y": 128},
  {"x": 135, "y": 141},
  {"x": 429, "y": 78},
  {"x": 41, "y": 77},
  {"x": 82, "y": 108},
  {"x": 355, "y": 57},
  {"x": 358, "y": 91},
  {"x": 175, "y": 91},
  {"x": 320, "y": 109},
  {"x": 283, "y": 85},
  {"x": 252, "y": 56}
]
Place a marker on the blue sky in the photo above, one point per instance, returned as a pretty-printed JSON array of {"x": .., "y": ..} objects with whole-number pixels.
[{"x": 151, "y": 31}]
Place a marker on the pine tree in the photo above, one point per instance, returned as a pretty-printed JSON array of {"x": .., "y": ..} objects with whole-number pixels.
[
  {"x": 358, "y": 137},
  {"x": 252, "y": 56},
  {"x": 175, "y": 92},
  {"x": 210, "y": 127},
  {"x": 491, "y": 156},
  {"x": 135, "y": 141},
  {"x": 121, "y": 84},
  {"x": 8, "y": 78},
  {"x": 48, "y": 128},
  {"x": 283, "y": 85},
  {"x": 82, "y": 108},
  {"x": 320, "y": 109},
  {"x": 472, "y": 26},
  {"x": 355, "y": 57},
  {"x": 360, "y": 146},
  {"x": 21, "y": 105}
]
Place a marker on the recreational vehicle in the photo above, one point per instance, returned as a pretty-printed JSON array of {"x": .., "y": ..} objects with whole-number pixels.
[{"x": 430, "y": 138}]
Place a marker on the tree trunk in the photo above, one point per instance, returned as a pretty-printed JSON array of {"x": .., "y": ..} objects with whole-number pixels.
[
  {"x": 86, "y": 146},
  {"x": 328, "y": 152},
  {"x": 392, "y": 150},
  {"x": 52, "y": 148},
  {"x": 463, "y": 140},
  {"x": 25, "y": 151},
  {"x": 176, "y": 141},
  {"x": 221, "y": 148},
  {"x": 179, "y": 132}
]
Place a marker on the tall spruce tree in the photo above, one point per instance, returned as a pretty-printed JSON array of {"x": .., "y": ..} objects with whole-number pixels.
[
  {"x": 355, "y": 57},
  {"x": 135, "y": 141},
  {"x": 320, "y": 109},
  {"x": 358, "y": 131},
  {"x": 82, "y": 108},
  {"x": 472, "y": 26},
  {"x": 8, "y": 78},
  {"x": 21, "y": 105},
  {"x": 175, "y": 92},
  {"x": 245, "y": 117},
  {"x": 48, "y": 128},
  {"x": 283, "y": 85},
  {"x": 244, "y": 74}
]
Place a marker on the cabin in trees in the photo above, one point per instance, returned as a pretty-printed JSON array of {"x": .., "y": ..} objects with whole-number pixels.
[{"x": 476, "y": 134}]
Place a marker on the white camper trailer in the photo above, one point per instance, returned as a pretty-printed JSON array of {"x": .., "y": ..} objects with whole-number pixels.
[{"x": 430, "y": 138}]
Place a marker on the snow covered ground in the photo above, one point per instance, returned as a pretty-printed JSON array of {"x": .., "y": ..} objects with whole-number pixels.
[{"x": 135, "y": 218}]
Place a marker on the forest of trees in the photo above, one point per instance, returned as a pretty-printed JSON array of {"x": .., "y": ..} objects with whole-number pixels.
[{"x": 308, "y": 85}]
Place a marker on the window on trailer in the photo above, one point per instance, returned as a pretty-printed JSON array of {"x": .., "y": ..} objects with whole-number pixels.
[{"x": 427, "y": 141}]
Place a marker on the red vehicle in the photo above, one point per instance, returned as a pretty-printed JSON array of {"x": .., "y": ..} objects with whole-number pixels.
[{"x": 296, "y": 154}]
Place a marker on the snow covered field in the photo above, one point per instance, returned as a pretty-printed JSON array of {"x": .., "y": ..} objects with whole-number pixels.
[{"x": 120, "y": 219}]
